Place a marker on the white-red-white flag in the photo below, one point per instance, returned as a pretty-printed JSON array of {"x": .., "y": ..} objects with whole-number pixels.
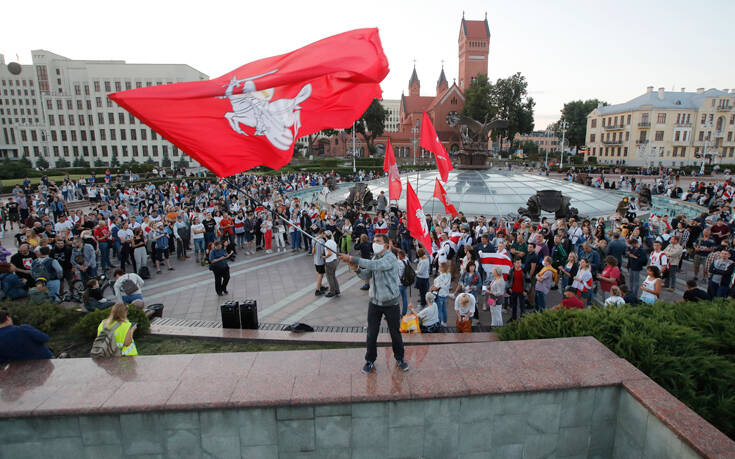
[
  {"x": 394, "y": 179},
  {"x": 430, "y": 141},
  {"x": 490, "y": 261},
  {"x": 416, "y": 220},
  {"x": 441, "y": 194}
]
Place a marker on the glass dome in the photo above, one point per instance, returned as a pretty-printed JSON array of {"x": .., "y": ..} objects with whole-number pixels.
[{"x": 492, "y": 193}]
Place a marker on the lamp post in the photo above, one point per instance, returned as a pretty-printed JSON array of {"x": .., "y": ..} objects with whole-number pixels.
[
  {"x": 414, "y": 131},
  {"x": 546, "y": 148},
  {"x": 564, "y": 125},
  {"x": 354, "y": 152}
]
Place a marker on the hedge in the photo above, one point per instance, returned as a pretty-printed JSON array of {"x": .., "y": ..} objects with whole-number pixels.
[{"x": 687, "y": 348}]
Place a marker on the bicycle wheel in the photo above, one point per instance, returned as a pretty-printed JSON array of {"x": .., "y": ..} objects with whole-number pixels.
[{"x": 77, "y": 286}]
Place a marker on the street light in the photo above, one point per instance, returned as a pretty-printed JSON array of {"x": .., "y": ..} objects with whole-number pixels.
[
  {"x": 546, "y": 148},
  {"x": 415, "y": 131},
  {"x": 564, "y": 125},
  {"x": 354, "y": 152}
]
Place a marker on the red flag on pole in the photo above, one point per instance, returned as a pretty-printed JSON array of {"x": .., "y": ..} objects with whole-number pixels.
[
  {"x": 430, "y": 141},
  {"x": 416, "y": 220},
  {"x": 253, "y": 115},
  {"x": 394, "y": 179},
  {"x": 441, "y": 195}
]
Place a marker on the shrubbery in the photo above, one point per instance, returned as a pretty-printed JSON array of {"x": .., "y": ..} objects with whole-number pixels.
[
  {"x": 87, "y": 326},
  {"x": 686, "y": 348}
]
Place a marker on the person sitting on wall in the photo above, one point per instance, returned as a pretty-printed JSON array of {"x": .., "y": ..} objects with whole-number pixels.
[
  {"x": 12, "y": 285},
  {"x": 21, "y": 342}
]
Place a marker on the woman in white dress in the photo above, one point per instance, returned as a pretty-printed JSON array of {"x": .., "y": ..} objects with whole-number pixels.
[{"x": 651, "y": 286}]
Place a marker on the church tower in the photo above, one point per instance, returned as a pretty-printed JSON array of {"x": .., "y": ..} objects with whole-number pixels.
[
  {"x": 414, "y": 85},
  {"x": 441, "y": 83},
  {"x": 474, "y": 49}
]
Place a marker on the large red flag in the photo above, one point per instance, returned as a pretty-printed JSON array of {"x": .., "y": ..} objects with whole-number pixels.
[
  {"x": 430, "y": 141},
  {"x": 416, "y": 220},
  {"x": 394, "y": 179},
  {"x": 441, "y": 195},
  {"x": 253, "y": 115}
]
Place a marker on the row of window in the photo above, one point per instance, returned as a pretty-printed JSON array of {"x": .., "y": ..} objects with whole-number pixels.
[
  {"x": 675, "y": 152},
  {"x": 18, "y": 102},
  {"x": 19, "y": 111},
  {"x": 681, "y": 118},
  {"x": 23, "y": 92},
  {"x": 17, "y": 82},
  {"x": 114, "y": 150},
  {"x": 123, "y": 134},
  {"x": 679, "y": 136},
  {"x": 80, "y": 104}
]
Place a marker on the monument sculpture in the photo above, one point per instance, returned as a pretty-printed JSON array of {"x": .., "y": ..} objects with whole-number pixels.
[
  {"x": 473, "y": 135},
  {"x": 548, "y": 201}
]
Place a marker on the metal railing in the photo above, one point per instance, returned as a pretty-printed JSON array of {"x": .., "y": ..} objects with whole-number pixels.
[
  {"x": 613, "y": 127},
  {"x": 644, "y": 124},
  {"x": 641, "y": 142},
  {"x": 724, "y": 108},
  {"x": 612, "y": 142}
]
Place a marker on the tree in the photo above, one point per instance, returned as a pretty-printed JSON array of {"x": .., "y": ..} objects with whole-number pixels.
[
  {"x": 41, "y": 163},
  {"x": 150, "y": 161},
  {"x": 80, "y": 162},
  {"x": 114, "y": 162},
  {"x": 509, "y": 96},
  {"x": 575, "y": 113},
  {"x": 61, "y": 162},
  {"x": 99, "y": 163},
  {"x": 371, "y": 124},
  {"x": 183, "y": 162},
  {"x": 166, "y": 161},
  {"x": 477, "y": 104}
]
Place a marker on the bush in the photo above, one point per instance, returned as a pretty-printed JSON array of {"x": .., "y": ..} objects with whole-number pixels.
[
  {"x": 87, "y": 326},
  {"x": 686, "y": 348},
  {"x": 47, "y": 317}
]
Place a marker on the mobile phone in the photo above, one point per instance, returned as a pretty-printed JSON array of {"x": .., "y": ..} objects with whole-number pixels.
[{"x": 133, "y": 324}]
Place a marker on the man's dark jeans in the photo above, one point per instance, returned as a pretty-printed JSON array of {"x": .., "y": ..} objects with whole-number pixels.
[
  {"x": 517, "y": 305},
  {"x": 393, "y": 318}
]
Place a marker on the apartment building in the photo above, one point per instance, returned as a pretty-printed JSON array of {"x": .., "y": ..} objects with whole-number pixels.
[
  {"x": 546, "y": 143},
  {"x": 665, "y": 128},
  {"x": 57, "y": 108},
  {"x": 392, "y": 109}
]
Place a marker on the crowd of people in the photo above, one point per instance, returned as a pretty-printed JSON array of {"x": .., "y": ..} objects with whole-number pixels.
[{"x": 130, "y": 230}]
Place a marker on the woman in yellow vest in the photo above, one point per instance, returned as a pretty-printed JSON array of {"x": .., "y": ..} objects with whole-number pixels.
[{"x": 124, "y": 332}]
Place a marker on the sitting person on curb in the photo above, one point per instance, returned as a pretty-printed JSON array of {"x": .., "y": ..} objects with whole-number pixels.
[
  {"x": 39, "y": 292},
  {"x": 128, "y": 288},
  {"x": 12, "y": 285},
  {"x": 570, "y": 301},
  {"x": 123, "y": 329},
  {"x": 93, "y": 299},
  {"x": 464, "y": 307},
  {"x": 428, "y": 316},
  {"x": 694, "y": 293},
  {"x": 21, "y": 342}
]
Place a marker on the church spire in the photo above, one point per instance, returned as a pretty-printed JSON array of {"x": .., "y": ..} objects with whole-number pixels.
[
  {"x": 442, "y": 82},
  {"x": 414, "y": 85}
]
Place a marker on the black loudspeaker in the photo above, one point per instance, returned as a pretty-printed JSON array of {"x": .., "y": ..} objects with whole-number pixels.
[
  {"x": 230, "y": 314},
  {"x": 249, "y": 314}
]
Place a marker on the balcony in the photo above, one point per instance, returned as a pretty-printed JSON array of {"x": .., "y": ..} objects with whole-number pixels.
[
  {"x": 612, "y": 142},
  {"x": 724, "y": 108},
  {"x": 683, "y": 125},
  {"x": 719, "y": 134},
  {"x": 644, "y": 124},
  {"x": 613, "y": 127},
  {"x": 641, "y": 142}
]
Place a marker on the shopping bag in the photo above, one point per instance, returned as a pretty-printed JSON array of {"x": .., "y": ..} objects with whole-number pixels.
[
  {"x": 410, "y": 324},
  {"x": 496, "y": 313},
  {"x": 464, "y": 326}
]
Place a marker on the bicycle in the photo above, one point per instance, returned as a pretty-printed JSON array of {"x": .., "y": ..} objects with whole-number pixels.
[{"x": 76, "y": 292}]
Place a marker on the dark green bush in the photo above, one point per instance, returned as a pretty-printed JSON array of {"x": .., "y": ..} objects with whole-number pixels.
[
  {"x": 48, "y": 318},
  {"x": 87, "y": 326},
  {"x": 686, "y": 348}
]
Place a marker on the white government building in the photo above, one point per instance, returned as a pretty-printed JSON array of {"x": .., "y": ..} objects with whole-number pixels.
[
  {"x": 665, "y": 128},
  {"x": 57, "y": 108}
]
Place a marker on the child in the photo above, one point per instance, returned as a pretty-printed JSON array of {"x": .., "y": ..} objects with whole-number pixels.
[{"x": 441, "y": 287}]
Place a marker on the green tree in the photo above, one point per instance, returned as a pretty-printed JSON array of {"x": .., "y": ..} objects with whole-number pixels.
[
  {"x": 99, "y": 163},
  {"x": 61, "y": 162},
  {"x": 575, "y": 113},
  {"x": 183, "y": 162},
  {"x": 41, "y": 163},
  {"x": 477, "y": 103},
  {"x": 509, "y": 96},
  {"x": 371, "y": 124},
  {"x": 114, "y": 161},
  {"x": 80, "y": 162},
  {"x": 166, "y": 161},
  {"x": 150, "y": 161}
]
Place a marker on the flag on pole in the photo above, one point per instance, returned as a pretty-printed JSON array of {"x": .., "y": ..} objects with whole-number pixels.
[
  {"x": 394, "y": 179},
  {"x": 416, "y": 220},
  {"x": 441, "y": 194},
  {"x": 490, "y": 261},
  {"x": 430, "y": 141},
  {"x": 253, "y": 115}
]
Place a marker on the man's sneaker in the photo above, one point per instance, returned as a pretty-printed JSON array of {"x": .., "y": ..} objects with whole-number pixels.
[
  {"x": 330, "y": 295},
  {"x": 402, "y": 365},
  {"x": 324, "y": 289},
  {"x": 365, "y": 287},
  {"x": 318, "y": 293},
  {"x": 368, "y": 367}
]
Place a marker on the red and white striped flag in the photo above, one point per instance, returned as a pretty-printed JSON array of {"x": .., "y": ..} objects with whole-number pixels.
[{"x": 490, "y": 261}]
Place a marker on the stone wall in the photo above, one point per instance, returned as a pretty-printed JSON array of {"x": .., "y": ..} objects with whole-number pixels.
[{"x": 598, "y": 422}]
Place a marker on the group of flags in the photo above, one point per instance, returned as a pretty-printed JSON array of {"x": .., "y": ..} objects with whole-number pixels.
[{"x": 253, "y": 115}]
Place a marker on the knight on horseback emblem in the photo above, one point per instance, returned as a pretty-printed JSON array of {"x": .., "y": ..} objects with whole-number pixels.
[{"x": 278, "y": 120}]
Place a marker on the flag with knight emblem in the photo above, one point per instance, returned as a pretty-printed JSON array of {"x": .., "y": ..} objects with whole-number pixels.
[
  {"x": 394, "y": 179},
  {"x": 253, "y": 115},
  {"x": 430, "y": 141},
  {"x": 416, "y": 220},
  {"x": 441, "y": 195}
]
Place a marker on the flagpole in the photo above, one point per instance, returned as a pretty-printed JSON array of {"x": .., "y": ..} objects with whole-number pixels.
[{"x": 315, "y": 240}]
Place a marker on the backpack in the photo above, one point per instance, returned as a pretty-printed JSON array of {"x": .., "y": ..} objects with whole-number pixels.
[
  {"x": 42, "y": 268},
  {"x": 409, "y": 275},
  {"x": 128, "y": 286},
  {"x": 105, "y": 345},
  {"x": 144, "y": 272}
]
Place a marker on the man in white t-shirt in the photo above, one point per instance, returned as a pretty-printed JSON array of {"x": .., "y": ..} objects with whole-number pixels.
[
  {"x": 330, "y": 264},
  {"x": 63, "y": 227}
]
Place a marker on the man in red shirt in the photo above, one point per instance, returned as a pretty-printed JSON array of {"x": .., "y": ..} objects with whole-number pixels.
[
  {"x": 102, "y": 235},
  {"x": 517, "y": 290},
  {"x": 570, "y": 301}
]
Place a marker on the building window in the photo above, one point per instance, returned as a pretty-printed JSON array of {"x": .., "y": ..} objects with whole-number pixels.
[
  {"x": 51, "y": 120},
  {"x": 104, "y": 150},
  {"x": 53, "y": 136},
  {"x": 103, "y": 134},
  {"x": 122, "y": 134},
  {"x": 121, "y": 118},
  {"x": 118, "y": 86},
  {"x": 63, "y": 136},
  {"x": 100, "y": 118},
  {"x": 154, "y": 149},
  {"x": 110, "y": 118},
  {"x": 66, "y": 150},
  {"x": 59, "y": 104},
  {"x": 592, "y": 138},
  {"x": 593, "y": 123},
  {"x": 135, "y": 150},
  {"x": 701, "y": 136},
  {"x": 91, "y": 136},
  {"x": 659, "y": 136},
  {"x": 113, "y": 134},
  {"x": 81, "y": 120},
  {"x": 83, "y": 135},
  {"x": 627, "y": 136},
  {"x": 77, "y": 90},
  {"x": 732, "y": 119},
  {"x": 676, "y": 136},
  {"x": 96, "y": 86},
  {"x": 128, "y": 85},
  {"x": 73, "y": 136},
  {"x": 68, "y": 104},
  {"x": 661, "y": 118},
  {"x": 143, "y": 134},
  {"x": 133, "y": 135},
  {"x": 625, "y": 151},
  {"x": 154, "y": 136},
  {"x": 131, "y": 119},
  {"x": 108, "y": 87}
]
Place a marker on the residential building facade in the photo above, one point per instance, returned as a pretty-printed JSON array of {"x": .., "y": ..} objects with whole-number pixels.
[
  {"x": 57, "y": 108},
  {"x": 545, "y": 143},
  {"x": 665, "y": 128},
  {"x": 392, "y": 109}
]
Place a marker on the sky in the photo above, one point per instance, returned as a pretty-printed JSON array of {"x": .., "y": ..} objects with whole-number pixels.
[{"x": 566, "y": 49}]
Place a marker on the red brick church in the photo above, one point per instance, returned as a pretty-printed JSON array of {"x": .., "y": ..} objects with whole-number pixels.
[{"x": 474, "y": 48}]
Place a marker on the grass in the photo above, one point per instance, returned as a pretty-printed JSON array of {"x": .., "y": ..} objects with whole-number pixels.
[
  {"x": 166, "y": 345},
  {"x": 37, "y": 180}
]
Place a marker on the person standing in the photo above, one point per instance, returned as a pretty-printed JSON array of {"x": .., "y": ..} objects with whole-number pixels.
[
  {"x": 319, "y": 263},
  {"x": 218, "y": 263},
  {"x": 331, "y": 262},
  {"x": 382, "y": 274},
  {"x": 674, "y": 252},
  {"x": 636, "y": 262},
  {"x": 422, "y": 275},
  {"x": 126, "y": 250},
  {"x": 161, "y": 250}
]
